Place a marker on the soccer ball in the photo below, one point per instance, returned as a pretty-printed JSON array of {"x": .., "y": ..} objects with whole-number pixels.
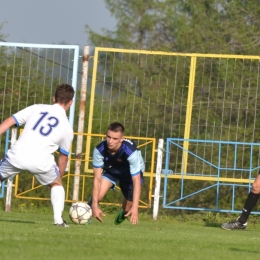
[{"x": 80, "y": 213}]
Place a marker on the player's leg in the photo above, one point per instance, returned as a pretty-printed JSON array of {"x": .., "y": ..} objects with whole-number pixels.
[
  {"x": 107, "y": 182},
  {"x": 120, "y": 217},
  {"x": 105, "y": 185},
  {"x": 126, "y": 186},
  {"x": 57, "y": 201},
  {"x": 53, "y": 180},
  {"x": 7, "y": 170},
  {"x": 252, "y": 198},
  {"x": 127, "y": 205}
]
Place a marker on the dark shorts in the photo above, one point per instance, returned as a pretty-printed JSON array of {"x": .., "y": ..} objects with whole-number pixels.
[{"x": 125, "y": 183}]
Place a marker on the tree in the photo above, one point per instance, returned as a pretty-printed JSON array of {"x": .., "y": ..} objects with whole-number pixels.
[
  {"x": 150, "y": 91},
  {"x": 135, "y": 27},
  {"x": 241, "y": 18},
  {"x": 208, "y": 26},
  {"x": 2, "y": 36},
  {"x": 212, "y": 26},
  {"x": 154, "y": 83}
]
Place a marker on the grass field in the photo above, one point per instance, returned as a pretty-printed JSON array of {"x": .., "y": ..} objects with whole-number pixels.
[{"x": 31, "y": 235}]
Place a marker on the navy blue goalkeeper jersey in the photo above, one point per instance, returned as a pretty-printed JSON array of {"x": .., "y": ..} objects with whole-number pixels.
[{"x": 127, "y": 159}]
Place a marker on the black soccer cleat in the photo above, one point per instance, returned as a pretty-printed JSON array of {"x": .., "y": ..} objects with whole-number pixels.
[
  {"x": 63, "y": 224},
  {"x": 235, "y": 224}
]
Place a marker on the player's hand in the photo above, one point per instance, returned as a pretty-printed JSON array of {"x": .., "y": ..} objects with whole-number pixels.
[
  {"x": 133, "y": 212},
  {"x": 97, "y": 213}
]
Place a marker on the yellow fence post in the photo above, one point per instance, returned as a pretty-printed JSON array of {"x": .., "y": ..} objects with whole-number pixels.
[{"x": 188, "y": 113}]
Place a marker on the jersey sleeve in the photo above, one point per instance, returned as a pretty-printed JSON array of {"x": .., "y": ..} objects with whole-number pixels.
[
  {"x": 64, "y": 146},
  {"x": 98, "y": 159},
  {"x": 135, "y": 163},
  {"x": 22, "y": 116}
]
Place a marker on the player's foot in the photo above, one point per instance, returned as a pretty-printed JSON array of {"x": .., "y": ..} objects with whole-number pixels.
[
  {"x": 120, "y": 217},
  {"x": 63, "y": 224},
  {"x": 89, "y": 221},
  {"x": 235, "y": 224}
]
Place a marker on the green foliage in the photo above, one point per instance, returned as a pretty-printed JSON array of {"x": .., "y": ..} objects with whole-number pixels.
[
  {"x": 135, "y": 27},
  {"x": 211, "y": 26},
  {"x": 2, "y": 36},
  {"x": 27, "y": 76},
  {"x": 149, "y": 93}
]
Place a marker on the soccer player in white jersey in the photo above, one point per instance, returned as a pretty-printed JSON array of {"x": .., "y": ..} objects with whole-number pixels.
[
  {"x": 46, "y": 129},
  {"x": 117, "y": 160}
]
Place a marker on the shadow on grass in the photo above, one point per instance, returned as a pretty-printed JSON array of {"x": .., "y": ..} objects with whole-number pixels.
[
  {"x": 213, "y": 224},
  {"x": 243, "y": 250},
  {"x": 17, "y": 221}
]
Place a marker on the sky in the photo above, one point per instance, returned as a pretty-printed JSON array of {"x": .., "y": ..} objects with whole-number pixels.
[{"x": 53, "y": 21}]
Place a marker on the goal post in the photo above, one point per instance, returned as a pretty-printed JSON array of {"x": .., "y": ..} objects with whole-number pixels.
[{"x": 158, "y": 179}]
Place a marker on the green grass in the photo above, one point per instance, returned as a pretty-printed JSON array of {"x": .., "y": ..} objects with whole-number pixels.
[{"x": 31, "y": 235}]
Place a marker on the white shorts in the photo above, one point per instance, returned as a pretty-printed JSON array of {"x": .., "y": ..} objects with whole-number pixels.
[{"x": 8, "y": 171}]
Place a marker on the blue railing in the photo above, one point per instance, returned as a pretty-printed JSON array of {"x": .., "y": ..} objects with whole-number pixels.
[{"x": 218, "y": 164}]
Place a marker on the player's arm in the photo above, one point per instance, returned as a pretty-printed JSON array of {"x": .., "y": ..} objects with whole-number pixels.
[
  {"x": 135, "y": 169},
  {"x": 136, "y": 196},
  {"x": 98, "y": 161},
  {"x": 63, "y": 157},
  {"x": 96, "y": 186},
  {"x": 10, "y": 121},
  {"x": 137, "y": 190},
  {"x": 64, "y": 151},
  {"x": 96, "y": 211},
  {"x": 62, "y": 163}
]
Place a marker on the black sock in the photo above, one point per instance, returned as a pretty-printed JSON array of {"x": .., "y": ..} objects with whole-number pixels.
[
  {"x": 90, "y": 201},
  {"x": 249, "y": 205}
]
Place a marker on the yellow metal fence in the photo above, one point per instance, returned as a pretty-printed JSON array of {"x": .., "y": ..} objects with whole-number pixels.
[{"x": 27, "y": 187}]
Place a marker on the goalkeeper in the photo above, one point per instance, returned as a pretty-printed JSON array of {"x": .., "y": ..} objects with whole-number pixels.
[{"x": 117, "y": 160}]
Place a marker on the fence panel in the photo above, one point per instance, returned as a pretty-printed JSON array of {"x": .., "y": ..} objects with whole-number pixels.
[
  {"x": 27, "y": 187},
  {"x": 29, "y": 74},
  {"x": 155, "y": 95},
  {"x": 208, "y": 180}
]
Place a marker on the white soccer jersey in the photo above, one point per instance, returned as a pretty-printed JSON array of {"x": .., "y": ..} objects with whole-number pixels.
[{"x": 46, "y": 130}]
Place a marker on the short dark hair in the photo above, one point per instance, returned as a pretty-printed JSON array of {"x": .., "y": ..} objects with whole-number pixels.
[
  {"x": 64, "y": 93},
  {"x": 116, "y": 127}
]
